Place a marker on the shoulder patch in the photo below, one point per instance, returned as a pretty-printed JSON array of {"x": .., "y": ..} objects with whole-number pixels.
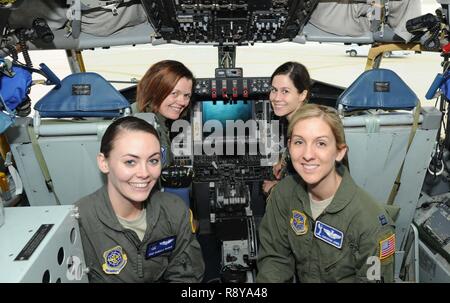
[
  {"x": 299, "y": 222},
  {"x": 115, "y": 260},
  {"x": 192, "y": 221},
  {"x": 387, "y": 247}
]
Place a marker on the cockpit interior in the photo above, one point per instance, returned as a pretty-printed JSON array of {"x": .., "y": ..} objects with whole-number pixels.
[{"x": 227, "y": 143}]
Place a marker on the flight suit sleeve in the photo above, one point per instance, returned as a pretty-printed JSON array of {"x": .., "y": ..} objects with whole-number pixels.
[
  {"x": 90, "y": 258},
  {"x": 186, "y": 263},
  {"x": 275, "y": 259},
  {"x": 376, "y": 253}
]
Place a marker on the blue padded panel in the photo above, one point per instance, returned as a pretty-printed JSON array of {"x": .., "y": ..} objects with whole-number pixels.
[
  {"x": 82, "y": 95},
  {"x": 378, "y": 89}
]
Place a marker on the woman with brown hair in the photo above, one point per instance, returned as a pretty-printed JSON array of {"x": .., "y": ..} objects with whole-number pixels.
[
  {"x": 166, "y": 91},
  {"x": 290, "y": 89},
  {"x": 132, "y": 232}
]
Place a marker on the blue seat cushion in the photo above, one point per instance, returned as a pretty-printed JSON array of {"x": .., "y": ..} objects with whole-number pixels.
[
  {"x": 82, "y": 95},
  {"x": 378, "y": 89}
]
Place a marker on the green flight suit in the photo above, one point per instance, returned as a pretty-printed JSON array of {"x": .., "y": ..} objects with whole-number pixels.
[
  {"x": 116, "y": 254},
  {"x": 289, "y": 247},
  {"x": 164, "y": 138}
]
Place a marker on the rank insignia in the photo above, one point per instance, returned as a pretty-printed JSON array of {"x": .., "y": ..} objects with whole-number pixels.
[
  {"x": 115, "y": 260},
  {"x": 299, "y": 223},
  {"x": 382, "y": 219}
]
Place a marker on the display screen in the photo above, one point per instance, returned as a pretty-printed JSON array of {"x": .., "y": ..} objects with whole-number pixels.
[
  {"x": 220, "y": 111},
  {"x": 232, "y": 123}
]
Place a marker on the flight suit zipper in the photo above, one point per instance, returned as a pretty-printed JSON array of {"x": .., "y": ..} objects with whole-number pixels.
[
  {"x": 133, "y": 238},
  {"x": 140, "y": 265}
]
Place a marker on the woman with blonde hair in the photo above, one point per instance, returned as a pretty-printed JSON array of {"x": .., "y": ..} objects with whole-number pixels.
[{"x": 319, "y": 225}]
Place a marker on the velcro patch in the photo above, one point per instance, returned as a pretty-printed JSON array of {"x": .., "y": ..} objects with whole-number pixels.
[
  {"x": 115, "y": 260},
  {"x": 156, "y": 248},
  {"x": 299, "y": 222},
  {"x": 329, "y": 234},
  {"x": 382, "y": 219},
  {"x": 387, "y": 247}
]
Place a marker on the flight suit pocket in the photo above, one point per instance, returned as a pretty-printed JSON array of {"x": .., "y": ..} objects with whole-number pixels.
[
  {"x": 183, "y": 266},
  {"x": 338, "y": 269},
  {"x": 156, "y": 267},
  {"x": 95, "y": 277}
]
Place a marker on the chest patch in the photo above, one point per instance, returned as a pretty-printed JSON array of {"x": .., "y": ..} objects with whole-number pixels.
[
  {"x": 159, "y": 247},
  {"x": 115, "y": 260},
  {"x": 329, "y": 234},
  {"x": 298, "y": 222}
]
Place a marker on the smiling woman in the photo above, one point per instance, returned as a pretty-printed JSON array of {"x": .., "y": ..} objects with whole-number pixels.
[
  {"x": 165, "y": 90},
  {"x": 319, "y": 225},
  {"x": 130, "y": 231},
  {"x": 290, "y": 89}
]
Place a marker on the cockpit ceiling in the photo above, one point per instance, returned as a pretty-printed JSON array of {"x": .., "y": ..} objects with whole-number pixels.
[
  {"x": 228, "y": 22},
  {"x": 80, "y": 24}
]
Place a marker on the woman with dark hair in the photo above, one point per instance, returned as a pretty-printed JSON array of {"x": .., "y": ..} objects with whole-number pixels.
[
  {"x": 166, "y": 91},
  {"x": 130, "y": 231},
  {"x": 320, "y": 226},
  {"x": 290, "y": 90}
]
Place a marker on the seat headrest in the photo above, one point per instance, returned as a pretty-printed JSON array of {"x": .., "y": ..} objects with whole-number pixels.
[
  {"x": 82, "y": 95},
  {"x": 378, "y": 89}
]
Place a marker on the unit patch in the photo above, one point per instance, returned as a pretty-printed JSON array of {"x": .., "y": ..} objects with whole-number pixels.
[
  {"x": 329, "y": 234},
  {"x": 115, "y": 260},
  {"x": 387, "y": 247},
  {"x": 159, "y": 247},
  {"x": 299, "y": 222}
]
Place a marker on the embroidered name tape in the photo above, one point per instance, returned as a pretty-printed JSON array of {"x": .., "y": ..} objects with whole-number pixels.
[
  {"x": 159, "y": 247},
  {"x": 329, "y": 234}
]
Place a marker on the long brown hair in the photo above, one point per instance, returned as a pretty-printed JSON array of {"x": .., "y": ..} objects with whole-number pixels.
[{"x": 158, "y": 82}]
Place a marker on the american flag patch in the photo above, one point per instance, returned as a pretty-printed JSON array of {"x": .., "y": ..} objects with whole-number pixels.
[{"x": 387, "y": 247}]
